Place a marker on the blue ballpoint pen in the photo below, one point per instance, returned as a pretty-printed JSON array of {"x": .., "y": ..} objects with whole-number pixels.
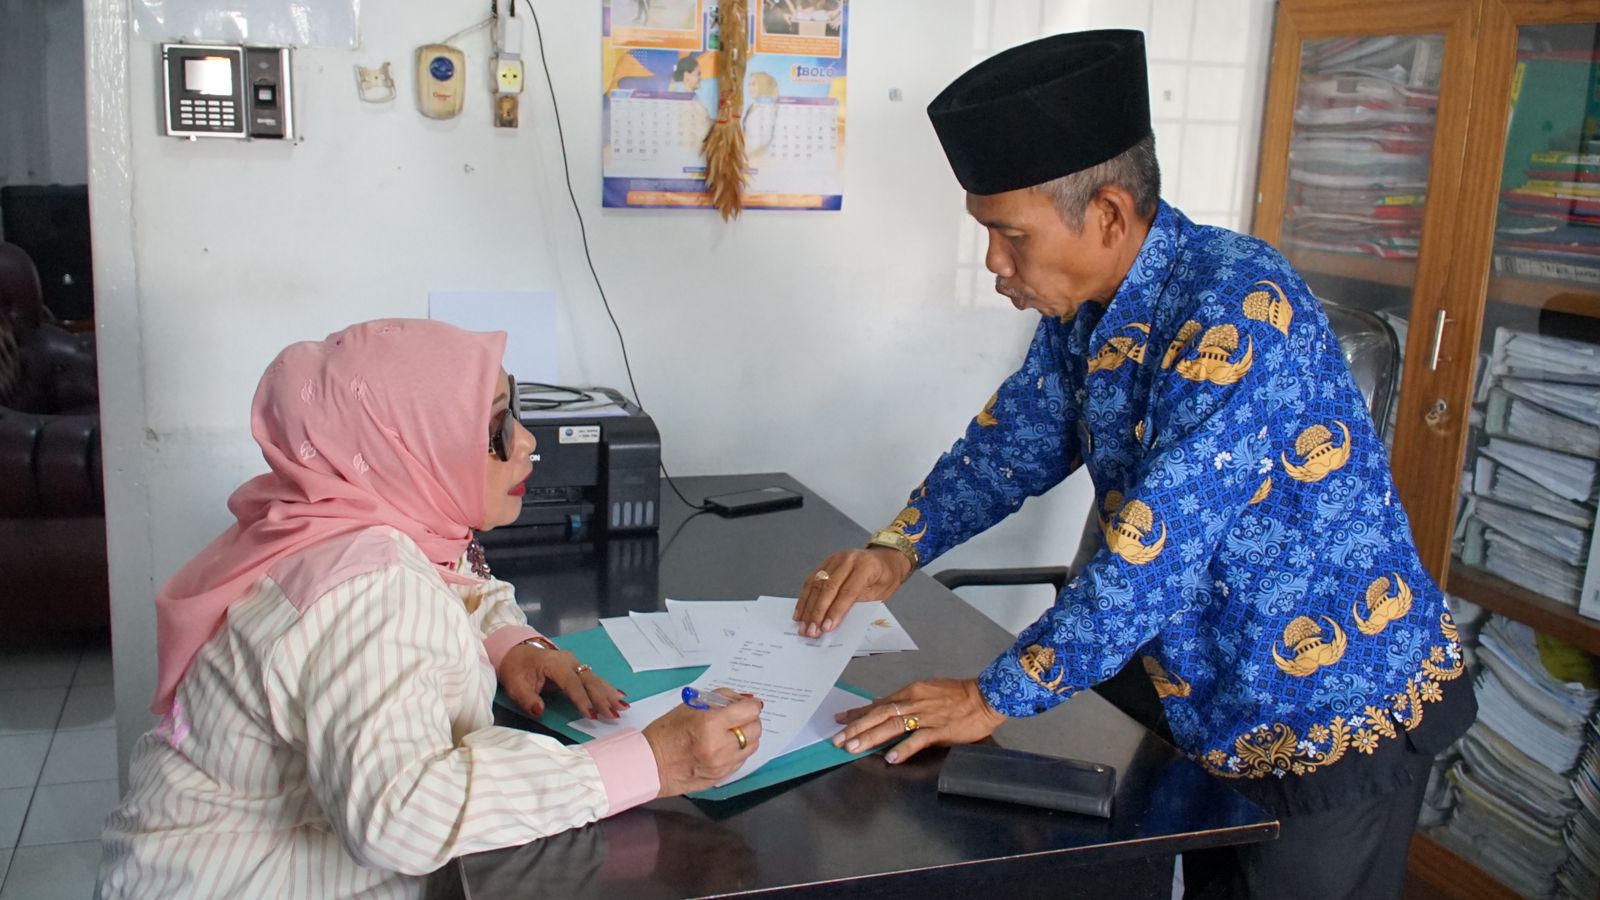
[{"x": 705, "y": 699}]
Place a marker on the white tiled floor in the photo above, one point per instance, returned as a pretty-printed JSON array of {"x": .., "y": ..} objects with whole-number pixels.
[{"x": 58, "y": 768}]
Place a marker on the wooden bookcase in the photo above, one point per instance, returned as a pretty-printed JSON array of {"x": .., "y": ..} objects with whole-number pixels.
[{"x": 1444, "y": 284}]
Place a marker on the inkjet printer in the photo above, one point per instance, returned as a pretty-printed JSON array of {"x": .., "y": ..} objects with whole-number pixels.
[{"x": 595, "y": 470}]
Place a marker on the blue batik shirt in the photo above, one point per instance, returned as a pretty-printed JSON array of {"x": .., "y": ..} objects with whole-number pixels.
[{"x": 1255, "y": 551}]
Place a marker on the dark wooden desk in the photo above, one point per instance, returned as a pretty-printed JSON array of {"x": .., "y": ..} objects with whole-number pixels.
[{"x": 866, "y": 829}]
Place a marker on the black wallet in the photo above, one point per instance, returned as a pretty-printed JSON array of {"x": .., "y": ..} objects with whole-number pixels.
[{"x": 995, "y": 773}]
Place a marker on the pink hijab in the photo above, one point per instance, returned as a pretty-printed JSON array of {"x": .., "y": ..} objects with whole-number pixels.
[{"x": 383, "y": 423}]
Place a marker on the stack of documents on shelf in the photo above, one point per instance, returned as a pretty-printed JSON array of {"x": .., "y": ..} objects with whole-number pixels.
[
  {"x": 1501, "y": 482},
  {"x": 1581, "y": 875},
  {"x": 1530, "y": 548},
  {"x": 1514, "y": 416},
  {"x": 1521, "y": 354},
  {"x": 697, "y": 633},
  {"x": 1358, "y": 159},
  {"x": 1518, "y": 763},
  {"x": 1528, "y": 513}
]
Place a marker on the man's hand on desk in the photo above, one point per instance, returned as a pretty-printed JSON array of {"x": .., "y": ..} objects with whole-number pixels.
[
  {"x": 697, "y": 748},
  {"x": 844, "y": 578},
  {"x": 527, "y": 670},
  {"x": 935, "y": 713}
]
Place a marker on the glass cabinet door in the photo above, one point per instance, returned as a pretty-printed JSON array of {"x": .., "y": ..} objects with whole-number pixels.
[
  {"x": 1525, "y": 525},
  {"x": 1356, "y": 190}
]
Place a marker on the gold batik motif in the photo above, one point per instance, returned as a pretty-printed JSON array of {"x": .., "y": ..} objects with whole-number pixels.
[
  {"x": 1262, "y": 491},
  {"x": 1128, "y": 527},
  {"x": 986, "y": 416},
  {"x": 1273, "y": 310},
  {"x": 1180, "y": 343},
  {"x": 1382, "y": 606},
  {"x": 1215, "y": 360},
  {"x": 1167, "y": 684},
  {"x": 1040, "y": 664},
  {"x": 1320, "y": 457},
  {"x": 1121, "y": 349},
  {"x": 909, "y": 518},
  {"x": 1304, "y": 638},
  {"x": 1277, "y": 749}
]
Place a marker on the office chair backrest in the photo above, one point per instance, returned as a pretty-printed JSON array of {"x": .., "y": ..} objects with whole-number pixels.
[{"x": 1373, "y": 353}]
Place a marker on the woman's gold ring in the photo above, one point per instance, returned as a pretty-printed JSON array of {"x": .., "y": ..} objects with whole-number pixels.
[
  {"x": 910, "y": 723},
  {"x": 738, "y": 734},
  {"x": 821, "y": 575},
  {"x": 582, "y": 668}
]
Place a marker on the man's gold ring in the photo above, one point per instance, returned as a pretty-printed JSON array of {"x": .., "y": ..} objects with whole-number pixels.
[
  {"x": 738, "y": 734},
  {"x": 910, "y": 723},
  {"x": 582, "y": 668},
  {"x": 822, "y": 575}
]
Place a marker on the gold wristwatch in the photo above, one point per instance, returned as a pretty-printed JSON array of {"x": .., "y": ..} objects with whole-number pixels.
[{"x": 894, "y": 540}]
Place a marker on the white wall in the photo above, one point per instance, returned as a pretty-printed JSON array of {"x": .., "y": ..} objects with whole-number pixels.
[{"x": 849, "y": 348}]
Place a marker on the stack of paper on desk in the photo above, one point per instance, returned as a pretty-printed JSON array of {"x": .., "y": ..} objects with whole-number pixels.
[
  {"x": 695, "y": 633},
  {"x": 792, "y": 675}
]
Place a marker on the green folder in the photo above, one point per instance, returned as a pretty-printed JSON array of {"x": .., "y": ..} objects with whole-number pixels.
[{"x": 595, "y": 648}]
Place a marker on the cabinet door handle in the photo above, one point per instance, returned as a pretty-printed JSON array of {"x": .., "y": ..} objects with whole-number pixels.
[{"x": 1438, "y": 341}]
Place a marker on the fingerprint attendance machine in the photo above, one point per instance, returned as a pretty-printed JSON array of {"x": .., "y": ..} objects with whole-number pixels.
[{"x": 227, "y": 91}]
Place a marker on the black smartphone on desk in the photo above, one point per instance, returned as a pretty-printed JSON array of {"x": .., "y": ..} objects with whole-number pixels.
[
  {"x": 995, "y": 773},
  {"x": 760, "y": 500}
]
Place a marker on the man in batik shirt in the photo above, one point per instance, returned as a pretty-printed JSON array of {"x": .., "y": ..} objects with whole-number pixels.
[{"x": 1255, "y": 552}]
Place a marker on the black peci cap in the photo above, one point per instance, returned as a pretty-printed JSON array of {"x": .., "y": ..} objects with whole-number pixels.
[{"x": 1045, "y": 109}]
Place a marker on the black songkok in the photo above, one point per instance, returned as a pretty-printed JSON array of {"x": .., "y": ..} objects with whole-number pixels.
[{"x": 1045, "y": 109}]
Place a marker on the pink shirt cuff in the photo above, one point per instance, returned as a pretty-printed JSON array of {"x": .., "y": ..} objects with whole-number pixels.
[
  {"x": 627, "y": 768},
  {"x": 498, "y": 644}
]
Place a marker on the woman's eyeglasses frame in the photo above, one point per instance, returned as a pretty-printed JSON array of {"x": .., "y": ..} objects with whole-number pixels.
[{"x": 503, "y": 426}]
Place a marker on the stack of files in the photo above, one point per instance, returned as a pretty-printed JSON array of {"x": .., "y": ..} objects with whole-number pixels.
[
  {"x": 1529, "y": 511},
  {"x": 697, "y": 633},
  {"x": 1515, "y": 778},
  {"x": 1514, "y": 416},
  {"x": 1580, "y": 877},
  {"x": 1522, "y": 354},
  {"x": 1358, "y": 160},
  {"x": 1542, "y": 716},
  {"x": 1499, "y": 482},
  {"x": 1496, "y": 538}
]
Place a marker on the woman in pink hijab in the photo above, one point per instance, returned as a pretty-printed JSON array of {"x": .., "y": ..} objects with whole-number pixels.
[{"x": 328, "y": 664}]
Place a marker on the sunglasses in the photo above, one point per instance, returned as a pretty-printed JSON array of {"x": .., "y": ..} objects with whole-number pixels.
[{"x": 503, "y": 427}]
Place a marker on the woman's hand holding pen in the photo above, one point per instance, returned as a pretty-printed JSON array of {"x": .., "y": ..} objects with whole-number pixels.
[{"x": 696, "y": 748}]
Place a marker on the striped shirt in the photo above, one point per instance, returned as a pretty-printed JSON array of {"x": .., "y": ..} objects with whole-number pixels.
[{"x": 338, "y": 746}]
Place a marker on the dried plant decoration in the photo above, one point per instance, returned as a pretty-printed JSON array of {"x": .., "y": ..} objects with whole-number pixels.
[{"x": 726, "y": 170}]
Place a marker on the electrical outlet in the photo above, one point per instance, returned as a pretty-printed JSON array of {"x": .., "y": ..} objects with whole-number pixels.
[
  {"x": 505, "y": 111},
  {"x": 508, "y": 76}
]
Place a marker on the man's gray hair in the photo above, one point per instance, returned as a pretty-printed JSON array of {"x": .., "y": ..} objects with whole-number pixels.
[{"x": 1134, "y": 169}]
